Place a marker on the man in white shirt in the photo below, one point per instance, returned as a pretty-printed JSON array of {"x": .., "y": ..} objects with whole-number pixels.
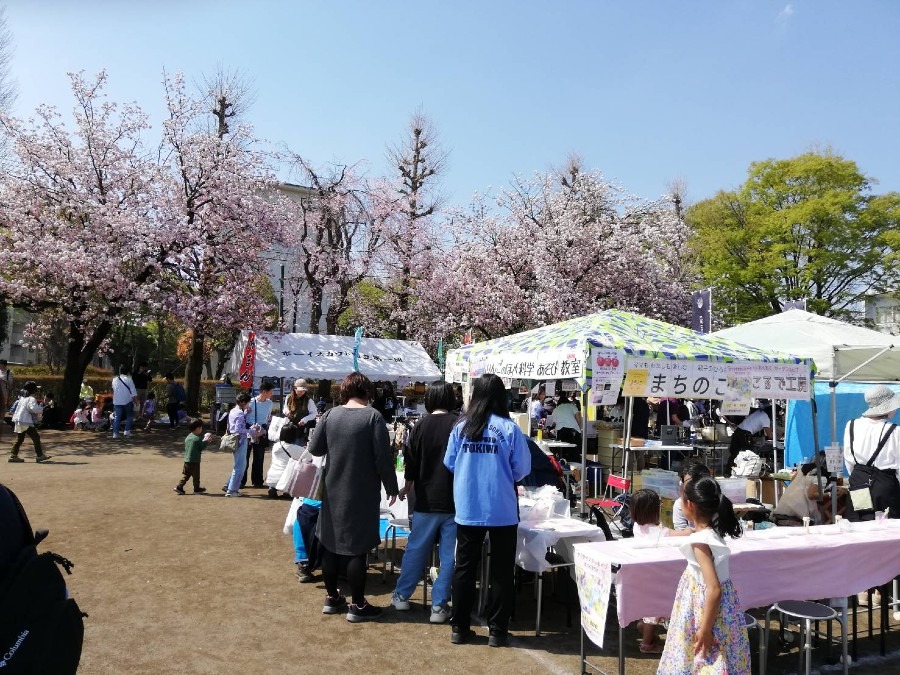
[
  {"x": 258, "y": 414},
  {"x": 124, "y": 398}
]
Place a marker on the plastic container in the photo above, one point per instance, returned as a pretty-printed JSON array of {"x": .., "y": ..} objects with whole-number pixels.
[{"x": 734, "y": 488}]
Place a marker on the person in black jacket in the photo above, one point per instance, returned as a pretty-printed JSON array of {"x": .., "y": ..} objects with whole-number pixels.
[{"x": 431, "y": 483}]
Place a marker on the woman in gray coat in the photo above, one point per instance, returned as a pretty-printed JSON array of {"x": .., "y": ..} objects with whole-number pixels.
[{"x": 354, "y": 440}]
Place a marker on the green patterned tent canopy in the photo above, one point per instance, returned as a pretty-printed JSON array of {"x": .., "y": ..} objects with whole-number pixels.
[{"x": 563, "y": 350}]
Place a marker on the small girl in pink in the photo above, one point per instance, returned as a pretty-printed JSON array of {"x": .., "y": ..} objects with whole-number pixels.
[{"x": 645, "y": 508}]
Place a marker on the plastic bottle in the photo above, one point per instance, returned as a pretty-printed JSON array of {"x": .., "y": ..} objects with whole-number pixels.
[{"x": 400, "y": 462}]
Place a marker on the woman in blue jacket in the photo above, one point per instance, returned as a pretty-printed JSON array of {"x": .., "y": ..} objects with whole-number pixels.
[{"x": 487, "y": 454}]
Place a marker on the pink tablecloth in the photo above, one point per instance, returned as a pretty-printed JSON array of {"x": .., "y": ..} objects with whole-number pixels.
[{"x": 766, "y": 566}]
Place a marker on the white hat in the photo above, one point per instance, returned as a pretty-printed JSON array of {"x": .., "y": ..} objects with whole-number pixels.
[{"x": 881, "y": 401}]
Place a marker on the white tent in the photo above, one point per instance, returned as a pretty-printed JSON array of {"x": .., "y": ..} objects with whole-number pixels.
[
  {"x": 836, "y": 347},
  {"x": 842, "y": 353},
  {"x": 330, "y": 357}
]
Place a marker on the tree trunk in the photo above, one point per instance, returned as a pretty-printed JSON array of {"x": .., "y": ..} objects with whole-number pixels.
[
  {"x": 193, "y": 372},
  {"x": 78, "y": 357},
  {"x": 315, "y": 308}
]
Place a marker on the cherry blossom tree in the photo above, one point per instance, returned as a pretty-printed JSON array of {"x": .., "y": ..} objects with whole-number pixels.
[
  {"x": 558, "y": 245},
  {"x": 81, "y": 241},
  {"x": 218, "y": 192}
]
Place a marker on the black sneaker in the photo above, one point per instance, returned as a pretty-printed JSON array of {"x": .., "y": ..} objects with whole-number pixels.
[
  {"x": 273, "y": 493},
  {"x": 498, "y": 638},
  {"x": 199, "y": 491},
  {"x": 42, "y": 459},
  {"x": 334, "y": 605},
  {"x": 304, "y": 575},
  {"x": 15, "y": 459},
  {"x": 360, "y": 613},
  {"x": 179, "y": 489},
  {"x": 460, "y": 636}
]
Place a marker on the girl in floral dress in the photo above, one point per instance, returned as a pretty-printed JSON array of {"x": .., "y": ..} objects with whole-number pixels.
[{"x": 706, "y": 632}]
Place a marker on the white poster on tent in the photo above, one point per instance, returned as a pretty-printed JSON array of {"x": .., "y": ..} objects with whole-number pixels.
[
  {"x": 550, "y": 389},
  {"x": 594, "y": 580},
  {"x": 681, "y": 378},
  {"x": 738, "y": 395},
  {"x": 607, "y": 371}
]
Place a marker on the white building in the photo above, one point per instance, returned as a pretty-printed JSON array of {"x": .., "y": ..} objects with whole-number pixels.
[{"x": 883, "y": 310}]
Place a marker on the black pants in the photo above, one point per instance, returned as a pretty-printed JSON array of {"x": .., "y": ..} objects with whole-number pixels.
[
  {"x": 355, "y": 570},
  {"x": 190, "y": 470},
  {"x": 469, "y": 540},
  {"x": 570, "y": 436},
  {"x": 172, "y": 410},
  {"x": 256, "y": 454},
  {"x": 35, "y": 437}
]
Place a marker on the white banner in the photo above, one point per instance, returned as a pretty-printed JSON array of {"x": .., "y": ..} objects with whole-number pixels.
[
  {"x": 594, "y": 580},
  {"x": 607, "y": 371},
  {"x": 551, "y": 364},
  {"x": 681, "y": 378}
]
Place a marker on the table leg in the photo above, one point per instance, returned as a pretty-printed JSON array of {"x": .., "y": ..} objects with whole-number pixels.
[
  {"x": 540, "y": 593},
  {"x": 621, "y": 650}
]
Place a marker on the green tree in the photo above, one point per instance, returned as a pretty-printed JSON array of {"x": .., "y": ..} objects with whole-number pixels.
[{"x": 806, "y": 227}]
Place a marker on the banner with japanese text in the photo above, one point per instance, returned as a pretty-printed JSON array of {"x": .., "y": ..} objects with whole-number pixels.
[
  {"x": 248, "y": 359},
  {"x": 550, "y": 364},
  {"x": 681, "y": 378},
  {"x": 594, "y": 580}
]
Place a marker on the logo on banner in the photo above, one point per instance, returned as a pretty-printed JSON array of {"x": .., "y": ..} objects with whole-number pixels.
[
  {"x": 701, "y": 311},
  {"x": 245, "y": 373}
]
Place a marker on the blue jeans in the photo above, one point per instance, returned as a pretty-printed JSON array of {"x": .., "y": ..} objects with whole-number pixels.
[
  {"x": 239, "y": 465},
  {"x": 126, "y": 411},
  {"x": 426, "y": 528}
]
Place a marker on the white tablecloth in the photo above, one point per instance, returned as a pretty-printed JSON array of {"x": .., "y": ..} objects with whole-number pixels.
[{"x": 535, "y": 537}]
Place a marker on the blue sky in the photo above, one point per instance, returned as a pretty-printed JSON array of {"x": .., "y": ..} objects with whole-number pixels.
[{"x": 646, "y": 92}]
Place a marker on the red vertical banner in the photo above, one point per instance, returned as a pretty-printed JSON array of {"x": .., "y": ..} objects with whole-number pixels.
[{"x": 245, "y": 374}]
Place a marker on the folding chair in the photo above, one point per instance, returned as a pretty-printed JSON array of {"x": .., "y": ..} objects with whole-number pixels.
[{"x": 613, "y": 507}]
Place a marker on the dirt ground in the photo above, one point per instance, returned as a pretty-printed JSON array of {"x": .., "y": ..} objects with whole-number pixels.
[{"x": 204, "y": 584}]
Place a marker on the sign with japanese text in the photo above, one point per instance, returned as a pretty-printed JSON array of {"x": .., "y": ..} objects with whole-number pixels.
[
  {"x": 738, "y": 394},
  {"x": 245, "y": 370},
  {"x": 680, "y": 378},
  {"x": 551, "y": 364},
  {"x": 635, "y": 382},
  {"x": 607, "y": 370}
]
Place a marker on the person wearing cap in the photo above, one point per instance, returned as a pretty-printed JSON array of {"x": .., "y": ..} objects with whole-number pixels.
[
  {"x": 873, "y": 441},
  {"x": 27, "y": 414},
  {"x": 299, "y": 407}
]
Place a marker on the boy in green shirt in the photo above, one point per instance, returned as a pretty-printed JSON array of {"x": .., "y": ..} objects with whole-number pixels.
[{"x": 193, "y": 447}]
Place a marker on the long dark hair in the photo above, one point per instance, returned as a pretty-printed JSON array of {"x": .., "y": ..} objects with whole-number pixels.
[
  {"x": 705, "y": 494},
  {"x": 488, "y": 398}
]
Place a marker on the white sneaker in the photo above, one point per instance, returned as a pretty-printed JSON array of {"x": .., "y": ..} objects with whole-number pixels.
[
  {"x": 127, "y": 434},
  {"x": 115, "y": 436},
  {"x": 234, "y": 494},
  {"x": 440, "y": 615},
  {"x": 400, "y": 604}
]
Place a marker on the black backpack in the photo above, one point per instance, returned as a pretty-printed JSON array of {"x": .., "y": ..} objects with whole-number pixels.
[
  {"x": 41, "y": 628},
  {"x": 882, "y": 483}
]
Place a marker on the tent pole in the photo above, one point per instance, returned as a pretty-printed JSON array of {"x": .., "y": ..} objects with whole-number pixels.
[
  {"x": 813, "y": 409},
  {"x": 833, "y": 386},
  {"x": 583, "y": 479},
  {"x": 626, "y": 434}
]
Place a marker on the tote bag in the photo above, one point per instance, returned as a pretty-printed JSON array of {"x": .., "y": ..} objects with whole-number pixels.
[{"x": 301, "y": 477}]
